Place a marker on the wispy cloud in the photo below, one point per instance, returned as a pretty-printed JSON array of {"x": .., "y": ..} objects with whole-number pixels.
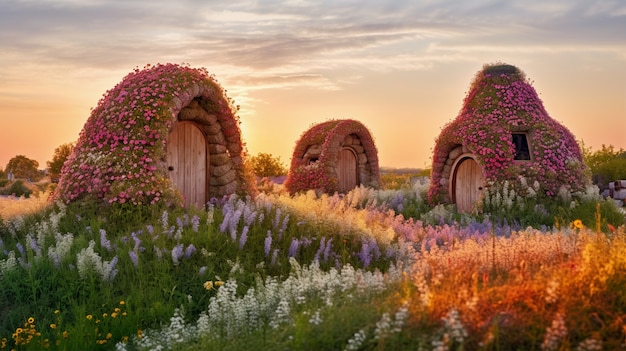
[{"x": 298, "y": 41}]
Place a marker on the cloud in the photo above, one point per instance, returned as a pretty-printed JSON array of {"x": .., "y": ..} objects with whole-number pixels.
[{"x": 298, "y": 41}]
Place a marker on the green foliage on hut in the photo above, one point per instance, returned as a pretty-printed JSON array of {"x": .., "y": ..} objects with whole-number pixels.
[
  {"x": 166, "y": 133},
  {"x": 503, "y": 134},
  {"x": 334, "y": 156}
]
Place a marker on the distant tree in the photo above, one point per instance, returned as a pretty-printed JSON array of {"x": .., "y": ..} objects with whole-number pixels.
[
  {"x": 3, "y": 174},
  {"x": 606, "y": 164},
  {"x": 23, "y": 167},
  {"x": 266, "y": 165},
  {"x": 61, "y": 154}
]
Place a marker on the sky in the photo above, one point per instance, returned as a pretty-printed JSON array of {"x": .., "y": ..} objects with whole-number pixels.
[{"x": 400, "y": 67}]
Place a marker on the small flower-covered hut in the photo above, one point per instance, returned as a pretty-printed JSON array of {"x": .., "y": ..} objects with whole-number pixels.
[
  {"x": 165, "y": 133},
  {"x": 334, "y": 156},
  {"x": 503, "y": 133}
]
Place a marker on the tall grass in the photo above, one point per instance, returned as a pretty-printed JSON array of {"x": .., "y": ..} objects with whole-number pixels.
[{"x": 371, "y": 270}]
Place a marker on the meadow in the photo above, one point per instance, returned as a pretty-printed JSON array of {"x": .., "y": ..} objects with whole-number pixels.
[{"x": 369, "y": 270}]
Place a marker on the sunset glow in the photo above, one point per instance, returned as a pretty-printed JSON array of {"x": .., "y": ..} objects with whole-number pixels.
[{"x": 401, "y": 68}]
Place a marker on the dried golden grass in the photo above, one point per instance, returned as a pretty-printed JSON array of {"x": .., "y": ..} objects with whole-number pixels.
[{"x": 11, "y": 207}]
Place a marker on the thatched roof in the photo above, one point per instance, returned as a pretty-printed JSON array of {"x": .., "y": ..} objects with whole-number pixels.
[
  {"x": 500, "y": 102},
  {"x": 314, "y": 160},
  {"x": 120, "y": 154}
]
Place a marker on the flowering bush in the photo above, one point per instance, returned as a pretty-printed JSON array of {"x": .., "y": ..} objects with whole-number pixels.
[
  {"x": 501, "y": 101},
  {"x": 120, "y": 154},
  {"x": 320, "y": 175}
]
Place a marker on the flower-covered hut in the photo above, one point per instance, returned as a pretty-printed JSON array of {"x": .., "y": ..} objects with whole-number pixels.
[
  {"x": 334, "y": 156},
  {"x": 164, "y": 133},
  {"x": 503, "y": 133}
]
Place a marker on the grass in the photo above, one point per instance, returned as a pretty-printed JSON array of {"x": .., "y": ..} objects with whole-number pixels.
[{"x": 371, "y": 270}]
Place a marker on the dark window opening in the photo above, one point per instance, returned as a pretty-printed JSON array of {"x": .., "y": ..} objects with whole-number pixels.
[
  {"x": 522, "y": 151},
  {"x": 312, "y": 160}
]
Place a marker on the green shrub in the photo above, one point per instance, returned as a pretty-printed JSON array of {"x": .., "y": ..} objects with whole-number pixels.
[{"x": 17, "y": 188}]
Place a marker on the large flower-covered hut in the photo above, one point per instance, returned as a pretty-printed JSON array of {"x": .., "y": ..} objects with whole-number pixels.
[
  {"x": 503, "y": 133},
  {"x": 334, "y": 156},
  {"x": 165, "y": 133}
]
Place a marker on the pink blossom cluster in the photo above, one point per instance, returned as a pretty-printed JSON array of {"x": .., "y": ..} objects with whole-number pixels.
[
  {"x": 497, "y": 105},
  {"x": 119, "y": 156},
  {"x": 321, "y": 175}
]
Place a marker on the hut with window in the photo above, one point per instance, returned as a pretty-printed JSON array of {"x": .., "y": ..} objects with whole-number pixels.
[
  {"x": 503, "y": 134},
  {"x": 334, "y": 156},
  {"x": 165, "y": 133}
]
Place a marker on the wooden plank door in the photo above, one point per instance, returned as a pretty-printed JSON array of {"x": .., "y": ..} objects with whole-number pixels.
[
  {"x": 187, "y": 161},
  {"x": 347, "y": 170},
  {"x": 468, "y": 184}
]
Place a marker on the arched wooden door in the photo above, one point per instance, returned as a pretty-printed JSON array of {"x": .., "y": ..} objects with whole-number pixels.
[
  {"x": 467, "y": 184},
  {"x": 347, "y": 173},
  {"x": 188, "y": 164}
]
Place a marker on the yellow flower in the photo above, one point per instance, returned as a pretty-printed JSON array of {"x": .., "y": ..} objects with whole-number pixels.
[
  {"x": 31, "y": 320},
  {"x": 122, "y": 302},
  {"x": 53, "y": 326},
  {"x": 109, "y": 335},
  {"x": 104, "y": 315},
  {"x": 57, "y": 311},
  {"x": 578, "y": 224},
  {"x": 66, "y": 334},
  {"x": 19, "y": 331},
  {"x": 219, "y": 283},
  {"x": 114, "y": 314},
  {"x": 208, "y": 285},
  {"x": 139, "y": 334},
  {"x": 89, "y": 317},
  {"x": 117, "y": 310}
]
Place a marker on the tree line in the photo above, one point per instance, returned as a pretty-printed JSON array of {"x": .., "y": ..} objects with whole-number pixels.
[{"x": 606, "y": 164}]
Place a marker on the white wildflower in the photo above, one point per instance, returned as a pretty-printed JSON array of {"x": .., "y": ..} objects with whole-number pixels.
[{"x": 555, "y": 333}]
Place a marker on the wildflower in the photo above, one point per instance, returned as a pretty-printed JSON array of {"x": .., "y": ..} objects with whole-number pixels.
[
  {"x": 268, "y": 243},
  {"x": 89, "y": 317},
  {"x": 31, "y": 320},
  {"x": 53, "y": 326},
  {"x": 208, "y": 285},
  {"x": 578, "y": 224}
]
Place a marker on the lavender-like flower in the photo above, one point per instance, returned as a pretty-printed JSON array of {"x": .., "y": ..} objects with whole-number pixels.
[
  {"x": 34, "y": 246},
  {"x": 365, "y": 254},
  {"x": 293, "y": 247},
  {"x": 329, "y": 245},
  {"x": 190, "y": 251},
  {"x": 150, "y": 229},
  {"x": 164, "y": 220},
  {"x": 276, "y": 221},
  {"x": 268, "y": 243},
  {"x": 20, "y": 248},
  {"x": 285, "y": 222},
  {"x": 137, "y": 241},
  {"x": 320, "y": 250},
  {"x": 244, "y": 237},
  {"x": 104, "y": 242},
  {"x": 202, "y": 270},
  {"x": 177, "y": 253},
  {"x": 195, "y": 223},
  {"x": 134, "y": 258}
]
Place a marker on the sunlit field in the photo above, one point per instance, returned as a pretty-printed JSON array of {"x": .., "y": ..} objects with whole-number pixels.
[
  {"x": 369, "y": 270},
  {"x": 12, "y": 206}
]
